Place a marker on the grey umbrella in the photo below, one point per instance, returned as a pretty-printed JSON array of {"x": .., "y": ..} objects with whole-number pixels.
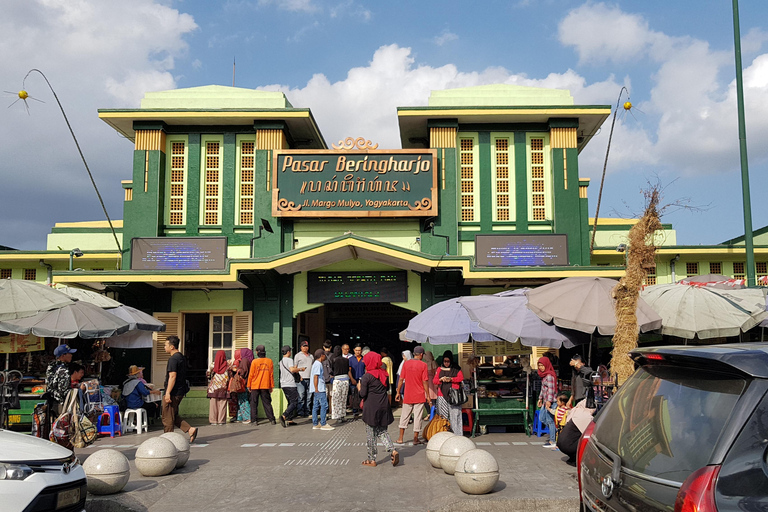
[
  {"x": 137, "y": 319},
  {"x": 19, "y": 299},
  {"x": 585, "y": 304},
  {"x": 718, "y": 281},
  {"x": 508, "y": 317},
  {"x": 446, "y": 323},
  {"x": 78, "y": 319},
  {"x": 89, "y": 296}
]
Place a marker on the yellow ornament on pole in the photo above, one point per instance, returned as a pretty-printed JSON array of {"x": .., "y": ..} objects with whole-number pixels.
[
  {"x": 23, "y": 95},
  {"x": 627, "y": 105}
]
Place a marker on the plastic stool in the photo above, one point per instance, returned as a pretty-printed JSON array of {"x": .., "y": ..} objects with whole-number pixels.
[
  {"x": 467, "y": 419},
  {"x": 109, "y": 422},
  {"x": 135, "y": 419},
  {"x": 538, "y": 427}
]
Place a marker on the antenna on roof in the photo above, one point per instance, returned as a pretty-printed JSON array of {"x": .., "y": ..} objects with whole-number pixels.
[{"x": 233, "y": 71}]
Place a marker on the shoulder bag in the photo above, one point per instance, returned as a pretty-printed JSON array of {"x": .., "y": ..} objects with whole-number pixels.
[
  {"x": 457, "y": 396},
  {"x": 296, "y": 376},
  {"x": 237, "y": 383}
]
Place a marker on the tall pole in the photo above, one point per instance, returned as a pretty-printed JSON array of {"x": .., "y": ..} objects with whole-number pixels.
[{"x": 743, "y": 151}]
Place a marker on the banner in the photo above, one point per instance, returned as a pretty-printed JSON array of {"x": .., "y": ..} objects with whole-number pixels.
[{"x": 20, "y": 343}]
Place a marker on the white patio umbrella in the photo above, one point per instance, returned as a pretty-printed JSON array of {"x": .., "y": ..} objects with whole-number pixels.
[
  {"x": 136, "y": 319},
  {"x": 446, "y": 323},
  {"x": 691, "y": 311},
  {"x": 77, "y": 319},
  {"x": 89, "y": 296},
  {"x": 19, "y": 298}
]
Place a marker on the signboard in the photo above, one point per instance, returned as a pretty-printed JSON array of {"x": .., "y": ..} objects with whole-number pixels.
[
  {"x": 179, "y": 253},
  {"x": 368, "y": 183},
  {"x": 19, "y": 344},
  {"x": 500, "y": 348},
  {"x": 526, "y": 250},
  {"x": 323, "y": 287}
]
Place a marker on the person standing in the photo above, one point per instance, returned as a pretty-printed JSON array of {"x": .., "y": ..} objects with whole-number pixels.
[
  {"x": 345, "y": 351},
  {"x": 244, "y": 397},
  {"x": 218, "y": 391},
  {"x": 448, "y": 377},
  {"x": 377, "y": 413},
  {"x": 387, "y": 365},
  {"x": 175, "y": 388},
  {"x": 357, "y": 365},
  {"x": 342, "y": 377},
  {"x": 328, "y": 374},
  {"x": 320, "y": 404},
  {"x": 431, "y": 370},
  {"x": 547, "y": 397},
  {"x": 580, "y": 381},
  {"x": 304, "y": 360},
  {"x": 261, "y": 382},
  {"x": 288, "y": 371},
  {"x": 414, "y": 375},
  {"x": 58, "y": 379}
]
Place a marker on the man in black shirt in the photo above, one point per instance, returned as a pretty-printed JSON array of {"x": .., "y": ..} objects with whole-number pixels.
[
  {"x": 580, "y": 381},
  {"x": 175, "y": 389}
]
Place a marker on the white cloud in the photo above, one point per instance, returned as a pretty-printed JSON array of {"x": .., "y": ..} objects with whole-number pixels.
[
  {"x": 351, "y": 8},
  {"x": 445, "y": 37},
  {"x": 292, "y": 5}
]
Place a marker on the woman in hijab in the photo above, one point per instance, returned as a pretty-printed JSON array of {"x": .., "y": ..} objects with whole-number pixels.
[
  {"x": 547, "y": 397},
  {"x": 342, "y": 376},
  {"x": 429, "y": 358},
  {"x": 218, "y": 393},
  {"x": 243, "y": 398},
  {"x": 377, "y": 414},
  {"x": 446, "y": 377}
]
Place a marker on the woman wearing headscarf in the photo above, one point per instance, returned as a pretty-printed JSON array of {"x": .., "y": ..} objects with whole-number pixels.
[
  {"x": 446, "y": 377},
  {"x": 342, "y": 376},
  {"x": 547, "y": 397},
  {"x": 218, "y": 393},
  {"x": 243, "y": 413},
  {"x": 377, "y": 414},
  {"x": 429, "y": 358}
]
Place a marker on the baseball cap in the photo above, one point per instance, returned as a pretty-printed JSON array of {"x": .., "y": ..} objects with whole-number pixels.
[
  {"x": 418, "y": 350},
  {"x": 63, "y": 349},
  {"x": 285, "y": 349},
  {"x": 305, "y": 343}
]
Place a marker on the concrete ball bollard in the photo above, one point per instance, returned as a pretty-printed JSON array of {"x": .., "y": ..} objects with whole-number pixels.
[
  {"x": 182, "y": 445},
  {"x": 107, "y": 471},
  {"x": 433, "y": 447},
  {"x": 156, "y": 457},
  {"x": 477, "y": 472},
  {"x": 453, "y": 448}
]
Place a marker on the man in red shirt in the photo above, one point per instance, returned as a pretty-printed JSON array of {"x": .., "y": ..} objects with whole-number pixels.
[{"x": 414, "y": 376}]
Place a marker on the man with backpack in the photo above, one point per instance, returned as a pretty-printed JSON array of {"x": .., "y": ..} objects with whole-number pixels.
[
  {"x": 58, "y": 379},
  {"x": 581, "y": 380},
  {"x": 175, "y": 389}
]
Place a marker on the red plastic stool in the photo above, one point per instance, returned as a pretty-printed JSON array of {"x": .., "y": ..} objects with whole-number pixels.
[{"x": 467, "y": 419}]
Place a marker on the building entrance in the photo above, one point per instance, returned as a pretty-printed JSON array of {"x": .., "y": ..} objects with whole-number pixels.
[{"x": 196, "y": 347}]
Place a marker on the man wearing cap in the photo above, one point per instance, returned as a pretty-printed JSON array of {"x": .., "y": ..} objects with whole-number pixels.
[
  {"x": 58, "y": 379},
  {"x": 304, "y": 361},
  {"x": 414, "y": 376},
  {"x": 581, "y": 380},
  {"x": 320, "y": 403},
  {"x": 288, "y": 371},
  {"x": 134, "y": 391},
  {"x": 261, "y": 382}
]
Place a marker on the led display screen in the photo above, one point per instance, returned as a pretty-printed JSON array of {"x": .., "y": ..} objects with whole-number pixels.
[
  {"x": 325, "y": 287},
  {"x": 526, "y": 250},
  {"x": 179, "y": 253}
]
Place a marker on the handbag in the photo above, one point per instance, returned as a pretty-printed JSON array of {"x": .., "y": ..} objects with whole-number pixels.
[
  {"x": 296, "y": 376},
  {"x": 237, "y": 384},
  {"x": 436, "y": 424},
  {"x": 457, "y": 396},
  {"x": 84, "y": 431},
  {"x": 218, "y": 381}
]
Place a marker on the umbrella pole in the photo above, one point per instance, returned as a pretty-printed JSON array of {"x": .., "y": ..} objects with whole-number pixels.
[
  {"x": 591, "y": 339},
  {"x": 474, "y": 375},
  {"x": 7, "y": 361}
]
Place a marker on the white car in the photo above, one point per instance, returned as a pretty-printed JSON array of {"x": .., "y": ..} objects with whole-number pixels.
[{"x": 37, "y": 475}]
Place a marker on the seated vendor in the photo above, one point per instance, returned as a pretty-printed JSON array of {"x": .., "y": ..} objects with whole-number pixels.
[
  {"x": 77, "y": 372},
  {"x": 134, "y": 392}
]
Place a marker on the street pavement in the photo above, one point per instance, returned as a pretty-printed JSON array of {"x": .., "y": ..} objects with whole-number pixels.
[{"x": 300, "y": 469}]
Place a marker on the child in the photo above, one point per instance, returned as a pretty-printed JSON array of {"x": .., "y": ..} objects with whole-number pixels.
[{"x": 560, "y": 412}]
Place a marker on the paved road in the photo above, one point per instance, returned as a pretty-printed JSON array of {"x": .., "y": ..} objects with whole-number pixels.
[{"x": 300, "y": 469}]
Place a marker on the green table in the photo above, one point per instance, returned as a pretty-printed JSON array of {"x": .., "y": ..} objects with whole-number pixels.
[{"x": 502, "y": 411}]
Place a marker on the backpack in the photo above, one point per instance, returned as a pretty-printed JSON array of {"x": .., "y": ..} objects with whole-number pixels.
[
  {"x": 437, "y": 424},
  {"x": 71, "y": 428},
  {"x": 39, "y": 419}
]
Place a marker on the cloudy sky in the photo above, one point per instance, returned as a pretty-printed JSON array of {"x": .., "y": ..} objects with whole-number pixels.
[{"x": 353, "y": 62}]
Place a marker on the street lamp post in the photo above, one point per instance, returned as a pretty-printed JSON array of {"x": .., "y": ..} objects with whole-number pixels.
[{"x": 743, "y": 151}]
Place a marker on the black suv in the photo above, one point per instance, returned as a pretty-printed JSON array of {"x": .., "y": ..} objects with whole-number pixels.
[{"x": 687, "y": 432}]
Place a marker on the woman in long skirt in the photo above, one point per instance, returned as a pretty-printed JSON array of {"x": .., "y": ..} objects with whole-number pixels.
[
  {"x": 217, "y": 389},
  {"x": 244, "y": 398},
  {"x": 446, "y": 377},
  {"x": 377, "y": 413},
  {"x": 341, "y": 380}
]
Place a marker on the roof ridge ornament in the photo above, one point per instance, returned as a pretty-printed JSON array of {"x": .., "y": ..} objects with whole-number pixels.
[{"x": 358, "y": 144}]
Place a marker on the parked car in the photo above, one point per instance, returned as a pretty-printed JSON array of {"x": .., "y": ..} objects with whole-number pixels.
[
  {"x": 687, "y": 432},
  {"x": 38, "y": 475}
]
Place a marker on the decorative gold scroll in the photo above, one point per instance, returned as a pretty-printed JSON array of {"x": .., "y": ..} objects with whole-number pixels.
[
  {"x": 285, "y": 205},
  {"x": 424, "y": 204},
  {"x": 351, "y": 143}
]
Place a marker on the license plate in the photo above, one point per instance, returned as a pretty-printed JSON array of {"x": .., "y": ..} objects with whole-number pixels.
[
  {"x": 14, "y": 418},
  {"x": 68, "y": 498}
]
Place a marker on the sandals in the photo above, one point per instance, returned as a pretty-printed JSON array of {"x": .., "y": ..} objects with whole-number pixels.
[
  {"x": 193, "y": 435},
  {"x": 395, "y": 458},
  {"x": 369, "y": 462}
]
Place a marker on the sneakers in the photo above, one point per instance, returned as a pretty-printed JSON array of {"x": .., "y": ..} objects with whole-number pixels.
[
  {"x": 549, "y": 445},
  {"x": 316, "y": 427},
  {"x": 327, "y": 427}
]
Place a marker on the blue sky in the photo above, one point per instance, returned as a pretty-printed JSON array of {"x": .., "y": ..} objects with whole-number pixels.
[{"x": 354, "y": 62}]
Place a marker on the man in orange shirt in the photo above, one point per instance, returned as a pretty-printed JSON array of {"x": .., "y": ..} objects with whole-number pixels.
[{"x": 261, "y": 381}]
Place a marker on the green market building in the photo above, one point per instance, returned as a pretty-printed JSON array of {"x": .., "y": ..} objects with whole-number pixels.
[{"x": 243, "y": 227}]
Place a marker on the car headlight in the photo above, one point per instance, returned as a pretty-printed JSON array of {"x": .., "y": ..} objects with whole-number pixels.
[{"x": 14, "y": 471}]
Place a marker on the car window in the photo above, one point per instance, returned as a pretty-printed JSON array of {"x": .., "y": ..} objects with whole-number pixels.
[{"x": 665, "y": 421}]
